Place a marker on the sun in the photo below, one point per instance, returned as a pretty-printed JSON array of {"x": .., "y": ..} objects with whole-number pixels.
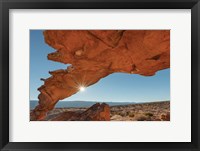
[{"x": 82, "y": 88}]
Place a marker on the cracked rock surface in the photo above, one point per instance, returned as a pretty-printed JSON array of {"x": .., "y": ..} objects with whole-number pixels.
[{"x": 94, "y": 54}]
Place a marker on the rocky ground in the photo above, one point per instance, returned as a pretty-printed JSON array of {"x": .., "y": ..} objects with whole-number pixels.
[
  {"x": 155, "y": 111},
  {"x": 159, "y": 111}
]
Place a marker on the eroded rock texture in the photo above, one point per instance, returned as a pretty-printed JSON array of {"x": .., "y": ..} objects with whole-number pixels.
[
  {"x": 97, "y": 112},
  {"x": 94, "y": 54}
]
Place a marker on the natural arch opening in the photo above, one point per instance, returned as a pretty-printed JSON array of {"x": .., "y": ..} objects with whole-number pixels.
[{"x": 95, "y": 54}]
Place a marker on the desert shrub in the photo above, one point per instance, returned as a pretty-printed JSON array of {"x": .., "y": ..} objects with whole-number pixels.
[
  {"x": 141, "y": 118},
  {"x": 149, "y": 114},
  {"x": 123, "y": 113},
  {"x": 165, "y": 117},
  {"x": 114, "y": 113},
  {"x": 131, "y": 114}
]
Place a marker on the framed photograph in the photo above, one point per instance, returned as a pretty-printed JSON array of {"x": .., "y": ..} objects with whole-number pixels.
[{"x": 99, "y": 75}]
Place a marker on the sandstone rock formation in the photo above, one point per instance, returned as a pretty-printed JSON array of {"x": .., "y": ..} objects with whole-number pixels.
[
  {"x": 98, "y": 112},
  {"x": 94, "y": 54}
]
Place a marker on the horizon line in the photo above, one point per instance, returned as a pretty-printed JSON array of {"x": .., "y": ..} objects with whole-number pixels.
[{"x": 110, "y": 101}]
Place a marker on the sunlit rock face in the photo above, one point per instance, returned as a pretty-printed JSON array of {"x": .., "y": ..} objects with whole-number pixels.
[
  {"x": 97, "y": 112},
  {"x": 94, "y": 54}
]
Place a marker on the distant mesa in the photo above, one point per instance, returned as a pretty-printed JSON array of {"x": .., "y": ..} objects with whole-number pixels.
[{"x": 78, "y": 104}]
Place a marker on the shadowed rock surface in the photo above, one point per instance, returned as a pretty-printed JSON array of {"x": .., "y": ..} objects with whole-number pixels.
[{"x": 94, "y": 54}]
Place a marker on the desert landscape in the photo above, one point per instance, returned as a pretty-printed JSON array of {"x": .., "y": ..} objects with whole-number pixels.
[
  {"x": 89, "y": 57},
  {"x": 154, "y": 111}
]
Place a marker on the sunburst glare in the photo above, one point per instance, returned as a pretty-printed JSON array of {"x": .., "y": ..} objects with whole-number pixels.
[{"x": 82, "y": 88}]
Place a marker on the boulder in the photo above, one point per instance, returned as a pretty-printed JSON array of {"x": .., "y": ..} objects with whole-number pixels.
[{"x": 97, "y": 112}]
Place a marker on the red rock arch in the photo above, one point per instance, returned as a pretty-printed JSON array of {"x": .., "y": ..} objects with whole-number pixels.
[{"x": 94, "y": 54}]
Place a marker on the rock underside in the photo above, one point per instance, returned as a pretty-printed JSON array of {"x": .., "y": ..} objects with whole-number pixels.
[{"x": 94, "y": 54}]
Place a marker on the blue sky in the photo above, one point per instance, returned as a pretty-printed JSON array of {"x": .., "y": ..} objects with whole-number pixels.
[{"x": 117, "y": 87}]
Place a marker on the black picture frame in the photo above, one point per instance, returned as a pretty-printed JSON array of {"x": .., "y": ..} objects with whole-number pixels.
[{"x": 5, "y": 5}]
